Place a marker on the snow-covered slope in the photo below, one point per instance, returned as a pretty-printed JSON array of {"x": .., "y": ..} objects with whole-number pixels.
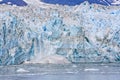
[
  {"x": 82, "y": 33},
  {"x": 116, "y": 2},
  {"x": 35, "y": 2}
]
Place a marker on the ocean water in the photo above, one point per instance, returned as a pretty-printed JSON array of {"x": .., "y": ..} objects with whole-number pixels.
[{"x": 61, "y": 72}]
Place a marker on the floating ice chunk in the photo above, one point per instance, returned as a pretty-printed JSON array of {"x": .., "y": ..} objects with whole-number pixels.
[
  {"x": 91, "y": 69},
  {"x": 21, "y": 70}
]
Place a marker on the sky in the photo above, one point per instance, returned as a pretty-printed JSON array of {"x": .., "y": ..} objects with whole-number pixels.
[{"x": 63, "y": 2}]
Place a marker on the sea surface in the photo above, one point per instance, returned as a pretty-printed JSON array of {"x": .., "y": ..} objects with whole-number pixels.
[{"x": 61, "y": 72}]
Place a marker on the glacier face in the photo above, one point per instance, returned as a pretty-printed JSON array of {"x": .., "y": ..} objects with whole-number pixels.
[{"x": 83, "y": 33}]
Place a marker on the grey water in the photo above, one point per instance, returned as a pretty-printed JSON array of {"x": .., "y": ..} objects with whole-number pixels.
[{"x": 61, "y": 72}]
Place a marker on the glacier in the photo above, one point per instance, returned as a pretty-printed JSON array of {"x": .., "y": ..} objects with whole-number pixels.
[{"x": 69, "y": 34}]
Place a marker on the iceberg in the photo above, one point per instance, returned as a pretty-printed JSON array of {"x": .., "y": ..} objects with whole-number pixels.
[{"x": 81, "y": 33}]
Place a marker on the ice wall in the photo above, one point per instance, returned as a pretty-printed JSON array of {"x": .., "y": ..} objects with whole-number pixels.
[{"x": 82, "y": 33}]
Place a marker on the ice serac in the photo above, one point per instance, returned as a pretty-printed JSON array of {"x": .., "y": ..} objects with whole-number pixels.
[{"x": 56, "y": 34}]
